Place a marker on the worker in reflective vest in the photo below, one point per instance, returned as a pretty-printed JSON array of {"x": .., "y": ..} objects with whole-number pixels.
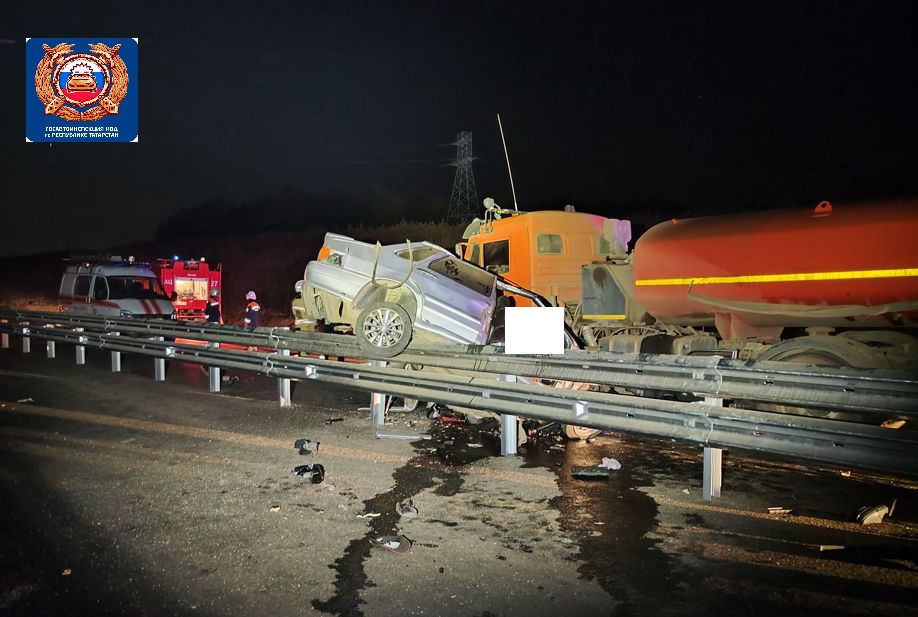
[
  {"x": 212, "y": 310},
  {"x": 251, "y": 311}
]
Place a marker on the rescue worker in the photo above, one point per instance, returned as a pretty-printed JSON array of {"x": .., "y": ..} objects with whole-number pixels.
[
  {"x": 251, "y": 310},
  {"x": 212, "y": 310}
]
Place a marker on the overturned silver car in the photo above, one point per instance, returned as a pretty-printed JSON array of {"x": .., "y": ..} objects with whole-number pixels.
[{"x": 388, "y": 295}]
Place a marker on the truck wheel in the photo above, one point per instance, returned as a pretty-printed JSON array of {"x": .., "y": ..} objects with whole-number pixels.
[
  {"x": 383, "y": 329},
  {"x": 822, "y": 351}
]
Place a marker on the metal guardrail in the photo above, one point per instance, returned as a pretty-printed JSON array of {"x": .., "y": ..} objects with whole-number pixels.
[
  {"x": 891, "y": 393},
  {"x": 830, "y": 441}
]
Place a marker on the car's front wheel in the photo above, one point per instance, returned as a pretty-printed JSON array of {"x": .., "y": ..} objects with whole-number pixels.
[{"x": 383, "y": 329}]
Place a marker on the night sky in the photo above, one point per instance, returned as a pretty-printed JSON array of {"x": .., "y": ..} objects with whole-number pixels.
[{"x": 611, "y": 106}]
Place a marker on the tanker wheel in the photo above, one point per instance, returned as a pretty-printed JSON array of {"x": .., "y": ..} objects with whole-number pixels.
[{"x": 821, "y": 350}]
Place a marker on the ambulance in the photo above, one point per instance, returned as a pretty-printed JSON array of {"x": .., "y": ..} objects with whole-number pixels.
[{"x": 112, "y": 287}]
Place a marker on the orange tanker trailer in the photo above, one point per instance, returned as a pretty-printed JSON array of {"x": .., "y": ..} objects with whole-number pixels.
[{"x": 831, "y": 284}]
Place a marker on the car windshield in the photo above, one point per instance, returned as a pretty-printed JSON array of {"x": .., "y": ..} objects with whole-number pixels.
[{"x": 139, "y": 287}]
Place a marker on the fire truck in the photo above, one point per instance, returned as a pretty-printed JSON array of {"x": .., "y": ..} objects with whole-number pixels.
[{"x": 191, "y": 280}]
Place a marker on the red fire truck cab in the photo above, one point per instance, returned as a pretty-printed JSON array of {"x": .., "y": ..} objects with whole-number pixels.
[{"x": 191, "y": 280}]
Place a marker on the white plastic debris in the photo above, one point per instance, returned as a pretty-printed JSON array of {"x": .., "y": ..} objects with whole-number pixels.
[{"x": 610, "y": 463}]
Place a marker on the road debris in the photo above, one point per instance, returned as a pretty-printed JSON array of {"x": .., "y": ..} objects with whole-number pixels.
[
  {"x": 871, "y": 515},
  {"x": 275, "y": 508},
  {"x": 126, "y": 441},
  {"x": 610, "y": 463},
  {"x": 893, "y": 424},
  {"x": 26, "y": 400},
  {"x": 314, "y": 471},
  {"x": 66, "y": 572},
  {"x": 831, "y": 547},
  {"x": 333, "y": 420},
  {"x": 475, "y": 445},
  {"x": 685, "y": 490},
  {"x": 306, "y": 446},
  {"x": 845, "y": 474},
  {"x": 406, "y": 509},
  {"x": 591, "y": 472},
  {"x": 369, "y": 515},
  {"x": 396, "y": 434},
  {"x": 779, "y": 510},
  {"x": 396, "y": 544}
]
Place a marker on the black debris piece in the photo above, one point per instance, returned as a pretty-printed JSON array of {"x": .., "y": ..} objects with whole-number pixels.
[
  {"x": 333, "y": 420},
  {"x": 313, "y": 470}
]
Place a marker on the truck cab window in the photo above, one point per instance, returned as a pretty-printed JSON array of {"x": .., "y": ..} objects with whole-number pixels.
[
  {"x": 497, "y": 256},
  {"x": 550, "y": 244},
  {"x": 100, "y": 289},
  {"x": 475, "y": 254},
  {"x": 81, "y": 286}
]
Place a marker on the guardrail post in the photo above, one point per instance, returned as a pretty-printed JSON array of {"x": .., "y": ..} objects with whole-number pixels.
[
  {"x": 508, "y": 427},
  {"x": 26, "y": 341},
  {"x": 713, "y": 459},
  {"x": 5, "y": 340},
  {"x": 213, "y": 373},
  {"x": 283, "y": 385},
  {"x": 116, "y": 357},
  {"x": 51, "y": 350},
  {"x": 80, "y": 349},
  {"x": 378, "y": 401},
  {"x": 159, "y": 364}
]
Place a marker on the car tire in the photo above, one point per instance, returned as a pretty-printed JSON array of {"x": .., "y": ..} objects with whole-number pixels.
[{"x": 383, "y": 329}]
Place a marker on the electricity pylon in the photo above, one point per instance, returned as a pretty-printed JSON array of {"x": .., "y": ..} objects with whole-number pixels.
[{"x": 463, "y": 202}]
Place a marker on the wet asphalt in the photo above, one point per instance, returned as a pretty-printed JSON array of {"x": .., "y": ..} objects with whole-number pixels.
[{"x": 618, "y": 525}]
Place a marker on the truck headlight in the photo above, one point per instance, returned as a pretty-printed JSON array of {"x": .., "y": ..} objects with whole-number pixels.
[{"x": 125, "y": 313}]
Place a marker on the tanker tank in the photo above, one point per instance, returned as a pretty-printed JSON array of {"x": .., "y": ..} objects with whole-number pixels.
[{"x": 754, "y": 274}]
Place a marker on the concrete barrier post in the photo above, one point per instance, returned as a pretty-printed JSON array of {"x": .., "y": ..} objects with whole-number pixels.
[
  {"x": 713, "y": 459},
  {"x": 378, "y": 401},
  {"x": 116, "y": 357},
  {"x": 283, "y": 385},
  {"x": 159, "y": 364},
  {"x": 80, "y": 349},
  {"x": 51, "y": 350},
  {"x": 509, "y": 427},
  {"x": 214, "y": 372}
]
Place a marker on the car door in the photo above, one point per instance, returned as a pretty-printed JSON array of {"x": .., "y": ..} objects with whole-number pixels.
[
  {"x": 81, "y": 289},
  {"x": 100, "y": 304},
  {"x": 457, "y": 297}
]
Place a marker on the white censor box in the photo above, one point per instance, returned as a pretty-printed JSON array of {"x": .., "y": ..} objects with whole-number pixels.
[{"x": 534, "y": 330}]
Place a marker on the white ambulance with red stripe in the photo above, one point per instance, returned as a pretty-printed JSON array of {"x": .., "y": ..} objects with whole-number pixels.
[{"x": 114, "y": 288}]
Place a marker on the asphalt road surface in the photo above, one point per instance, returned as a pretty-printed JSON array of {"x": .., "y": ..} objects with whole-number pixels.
[{"x": 123, "y": 496}]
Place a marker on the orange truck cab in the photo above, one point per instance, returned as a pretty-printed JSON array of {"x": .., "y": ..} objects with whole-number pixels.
[{"x": 543, "y": 251}]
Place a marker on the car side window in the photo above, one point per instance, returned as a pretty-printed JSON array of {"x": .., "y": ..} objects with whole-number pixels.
[
  {"x": 81, "y": 287},
  {"x": 497, "y": 256},
  {"x": 550, "y": 244},
  {"x": 100, "y": 289}
]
